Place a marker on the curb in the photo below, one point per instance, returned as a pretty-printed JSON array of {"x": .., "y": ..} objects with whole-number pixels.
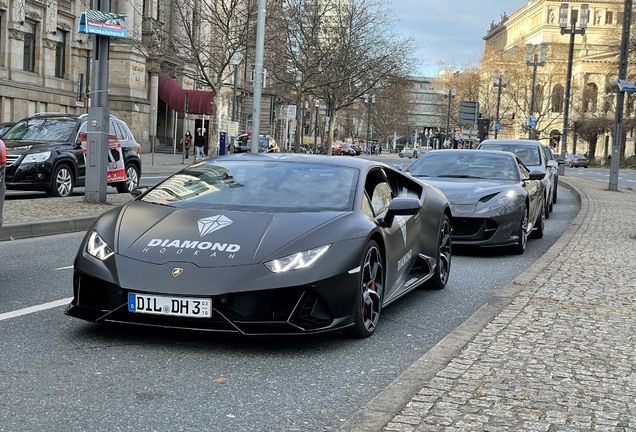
[
  {"x": 385, "y": 406},
  {"x": 51, "y": 227}
]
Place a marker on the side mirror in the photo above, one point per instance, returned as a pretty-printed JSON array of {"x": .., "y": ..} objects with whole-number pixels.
[
  {"x": 553, "y": 163},
  {"x": 138, "y": 191},
  {"x": 404, "y": 206},
  {"x": 560, "y": 160},
  {"x": 397, "y": 167},
  {"x": 537, "y": 175}
]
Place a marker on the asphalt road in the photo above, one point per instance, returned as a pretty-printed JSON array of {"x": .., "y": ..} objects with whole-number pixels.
[
  {"x": 626, "y": 177},
  {"x": 60, "y": 373}
]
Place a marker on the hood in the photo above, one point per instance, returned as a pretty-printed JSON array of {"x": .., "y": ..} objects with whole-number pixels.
[
  {"x": 210, "y": 238},
  {"x": 15, "y": 147},
  {"x": 468, "y": 191}
]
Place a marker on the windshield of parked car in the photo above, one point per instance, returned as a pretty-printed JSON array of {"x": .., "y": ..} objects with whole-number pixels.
[
  {"x": 528, "y": 154},
  {"x": 41, "y": 129},
  {"x": 465, "y": 164},
  {"x": 258, "y": 186}
]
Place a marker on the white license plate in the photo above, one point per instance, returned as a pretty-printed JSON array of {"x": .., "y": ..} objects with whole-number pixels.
[{"x": 170, "y": 306}]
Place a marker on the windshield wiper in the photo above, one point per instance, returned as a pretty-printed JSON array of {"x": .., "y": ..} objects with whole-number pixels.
[
  {"x": 420, "y": 175},
  {"x": 459, "y": 176}
]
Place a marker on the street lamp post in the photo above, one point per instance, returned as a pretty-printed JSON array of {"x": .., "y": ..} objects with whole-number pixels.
[
  {"x": 316, "y": 129},
  {"x": 533, "y": 60},
  {"x": 449, "y": 94},
  {"x": 369, "y": 100},
  {"x": 236, "y": 60},
  {"x": 572, "y": 31},
  {"x": 499, "y": 82}
]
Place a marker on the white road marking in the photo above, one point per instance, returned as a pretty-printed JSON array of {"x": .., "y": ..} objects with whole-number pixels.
[
  {"x": 64, "y": 268},
  {"x": 33, "y": 309}
]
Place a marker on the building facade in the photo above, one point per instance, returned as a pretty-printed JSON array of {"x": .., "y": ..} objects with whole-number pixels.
[
  {"x": 594, "y": 68},
  {"x": 425, "y": 120}
]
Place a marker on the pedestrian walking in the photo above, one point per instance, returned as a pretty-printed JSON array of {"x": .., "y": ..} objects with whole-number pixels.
[
  {"x": 199, "y": 144},
  {"x": 186, "y": 142}
]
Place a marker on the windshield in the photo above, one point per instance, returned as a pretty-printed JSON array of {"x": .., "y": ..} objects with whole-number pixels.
[
  {"x": 42, "y": 129},
  {"x": 528, "y": 154},
  {"x": 465, "y": 164},
  {"x": 259, "y": 186}
]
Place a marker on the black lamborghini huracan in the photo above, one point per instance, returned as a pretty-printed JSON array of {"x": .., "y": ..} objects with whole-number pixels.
[{"x": 265, "y": 244}]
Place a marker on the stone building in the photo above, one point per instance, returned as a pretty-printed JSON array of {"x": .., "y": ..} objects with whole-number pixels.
[
  {"x": 425, "y": 119},
  {"x": 594, "y": 67}
]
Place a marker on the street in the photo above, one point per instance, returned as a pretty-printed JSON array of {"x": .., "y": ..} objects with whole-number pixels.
[{"x": 62, "y": 373}]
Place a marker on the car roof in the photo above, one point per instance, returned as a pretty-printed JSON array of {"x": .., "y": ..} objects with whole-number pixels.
[
  {"x": 471, "y": 151},
  {"x": 519, "y": 142}
]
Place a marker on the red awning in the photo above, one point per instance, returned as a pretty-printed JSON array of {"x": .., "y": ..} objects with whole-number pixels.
[{"x": 199, "y": 102}]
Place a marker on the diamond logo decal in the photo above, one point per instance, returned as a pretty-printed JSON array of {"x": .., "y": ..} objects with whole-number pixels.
[{"x": 212, "y": 223}]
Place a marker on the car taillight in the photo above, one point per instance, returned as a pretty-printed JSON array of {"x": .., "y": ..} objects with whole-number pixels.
[
  {"x": 3, "y": 152},
  {"x": 139, "y": 148}
]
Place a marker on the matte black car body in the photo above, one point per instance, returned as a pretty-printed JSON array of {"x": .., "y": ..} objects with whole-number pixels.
[
  {"x": 65, "y": 168},
  {"x": 247, "y": 296},
  {"x": 3, "y": 187},
  {"x": 495, "y": 200},
  {"x": 532, "y": 154}
]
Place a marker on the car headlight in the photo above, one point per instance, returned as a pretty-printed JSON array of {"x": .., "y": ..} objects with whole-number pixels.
[
  {"x": 497, "y": 202},
  {"x": 97, "y": 247},
  {"x": 297, "y": 261},
  {"x": 37, "y": 157}
]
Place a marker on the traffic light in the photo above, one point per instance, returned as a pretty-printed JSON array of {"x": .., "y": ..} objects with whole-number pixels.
[{"x": 483, "y": 125}]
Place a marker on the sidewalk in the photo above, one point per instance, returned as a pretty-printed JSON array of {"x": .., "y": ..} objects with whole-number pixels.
[{"x": 554, "y": 351}]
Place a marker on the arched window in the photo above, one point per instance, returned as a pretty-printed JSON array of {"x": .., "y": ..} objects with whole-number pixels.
[
  {"x": 557, "y": 98},
  {"x": 590, "y": 98},
  {"x": 538, "y": 98}
]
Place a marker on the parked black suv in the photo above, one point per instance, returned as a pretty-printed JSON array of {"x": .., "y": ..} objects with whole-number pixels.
[{"x": 47, "y": 152}]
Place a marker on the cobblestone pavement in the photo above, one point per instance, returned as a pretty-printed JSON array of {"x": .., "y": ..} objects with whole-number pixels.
[{"x": 560, "y": 356}]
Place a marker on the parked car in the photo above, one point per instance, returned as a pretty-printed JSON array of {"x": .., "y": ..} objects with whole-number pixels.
[
  {"x": 5, "y": 126},
  {"x": 495, "y": 200},
  {"x": 266, "y": 144},
  {"x": 577, "y": 161},
  {"x": 342, "y": 149},
  {"x": 47, "y": 152},
  {"x": 357, "y": 148},
  {"x": 283, "y": 260},
  {"x": 413, "y": 153},
  {"x": 3, "y": 187},
  {"x": 533, "y": 156},
  {"x": 553, "y": 171}
]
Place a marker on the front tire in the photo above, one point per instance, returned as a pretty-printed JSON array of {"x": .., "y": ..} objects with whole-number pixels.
[
  {"x": 522, "y": 234},
  {"x": 368, "y": 302},
  {"x": 62, "y": 182},
  {"x": 442, "y": 257},
  {"x": 540, "y": 223},
  {"x": 132, "y": 180}
]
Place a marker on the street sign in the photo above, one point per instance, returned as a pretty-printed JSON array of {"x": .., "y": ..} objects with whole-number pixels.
[
  {"x": 497, "y": 126},
  {"x": 468, "y": 112},
  {"x": 79, "y": 104},
  {"x": 290, "y": 111},
  {"x": 532, "y": 121},
  {"x": 232, "y": 128}
]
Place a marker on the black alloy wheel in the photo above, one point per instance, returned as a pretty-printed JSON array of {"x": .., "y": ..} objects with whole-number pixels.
[
  {"x": 132, "y": 179},
  {"x": 539, "y": 225},
  {"x": 370, "y": 293},
  {"x": 443, "y": 256},
  {"x": 546, "y": 207},
  {"x": 62, "y": 182},
  {"x": 522, "y": 234}
]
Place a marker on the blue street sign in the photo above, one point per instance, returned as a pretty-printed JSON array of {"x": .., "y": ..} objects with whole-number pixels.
[{"x": 497, "y": 126}]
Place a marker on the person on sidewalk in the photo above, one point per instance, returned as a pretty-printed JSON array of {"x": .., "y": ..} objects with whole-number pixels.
[
  {"x": 199, "y": 145},
  {"x": 187, "y": 139}
]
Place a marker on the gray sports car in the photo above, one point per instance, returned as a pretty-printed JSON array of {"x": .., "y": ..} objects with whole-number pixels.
[
  {"x": 265, "y": 244},
  {"x": 495, "y": 199}
]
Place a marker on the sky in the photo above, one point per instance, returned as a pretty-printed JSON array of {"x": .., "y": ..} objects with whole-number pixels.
[{"x": 450, "y": 30}]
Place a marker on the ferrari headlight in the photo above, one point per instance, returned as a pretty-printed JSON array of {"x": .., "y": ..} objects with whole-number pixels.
[
  {"x": 37, "y": 157},
  {"x": 497, "y": 202},
  {"x": 297, "y": 261},
  {"x": 97, "y": 247}
]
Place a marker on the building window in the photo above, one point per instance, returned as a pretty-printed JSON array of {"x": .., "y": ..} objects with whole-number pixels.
[
  {"x": 609, "y": 17},
  {"x": 60, "y": 54},
  {"x": 29, "y": 47},
  {"x": 557, "y": 98},
  {"x": 590, "y": 98}
]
